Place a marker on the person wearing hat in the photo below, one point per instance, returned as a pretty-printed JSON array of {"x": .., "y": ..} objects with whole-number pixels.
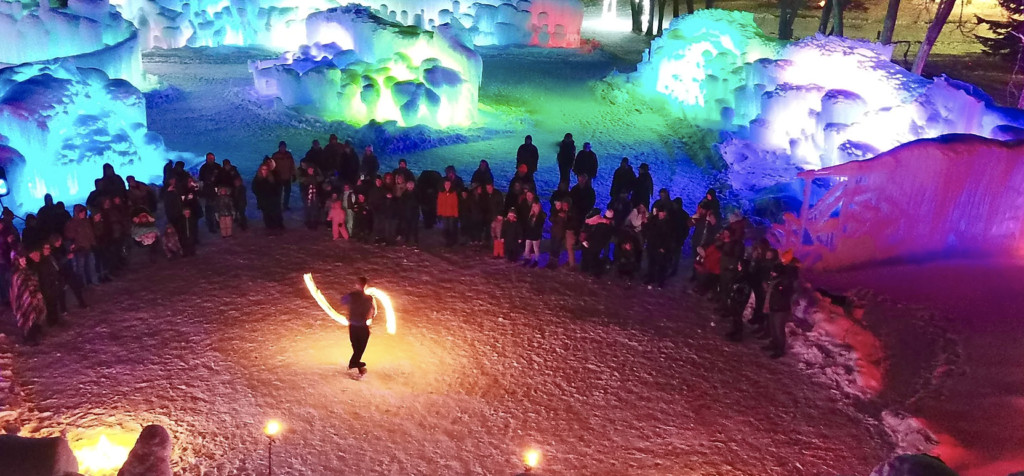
[
  {"x": 586, "y": 162},
  {"x": 566, "y": 157},
  {"x": 284, "y": 171},
  {"x": 778, "y": 302},
  {"x": 528, "y": 155},
  {"x": 27, "y": 299},
  {"x": 658, "y": 231},
  {"x": 361, "y": 310},
  {"x": 624, "y": 179}
]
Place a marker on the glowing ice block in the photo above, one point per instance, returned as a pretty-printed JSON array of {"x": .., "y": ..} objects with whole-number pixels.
[
  {"x": 59, "y": 124},
  {"x": 89, "y": 33},
  {"x": 813, "y": 103},
  {"x": 362, "y": 67}
]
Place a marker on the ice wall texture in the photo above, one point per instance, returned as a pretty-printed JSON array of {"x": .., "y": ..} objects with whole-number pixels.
[
  {"x": 805, "y": 105},
  {"x": 362, "y": 67},
  {"x": 59, "y": 124},
  {"x": 955, "y": 194},
  {"x": 544, "y": 23},
  {"x": 88, "y": 34},
  {"x": 277, "y": 24}
]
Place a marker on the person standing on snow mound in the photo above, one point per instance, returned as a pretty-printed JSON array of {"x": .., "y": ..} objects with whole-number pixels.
[{"x": 361, "y": 310}]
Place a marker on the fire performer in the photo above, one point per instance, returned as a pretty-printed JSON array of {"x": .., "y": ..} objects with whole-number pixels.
[{"x": 362, "y": 308}]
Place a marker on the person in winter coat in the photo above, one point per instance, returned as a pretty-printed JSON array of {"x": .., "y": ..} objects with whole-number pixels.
[
  {"x": 596, "y": 236},
  {"x": 316, "y": 157},
  {"x": 403, "y": 173},
  {"x": 332, "y": 159},
  {"x": 369, "y": 166},
  {"x": 337, "y": 216},
  {"x": 582, "y": 198},
  {"x": 187, "y": 233},
  {"x": 623, "y": 180},
  {"x": 27, "y": 300},
  {"x": 348, "y": 199},
  {"x": 140, "y": 194},
  {"x": 763, "y": 259},
  {"x": 240, "y": 201},
  {"x": 709, "y": 267},
  {"x": 50, "y": 282},
  {"x": 533, "y": 228},
  {"x": 497, "y": 224},
  {"x": 781, "y": 288},
  {"x": 680, "y": 232},
  {"x": 512, "y": 237},
  {"x": 390, "y": 213},
  {"x": 208, "y": 176},
  {"x": 712, "y": 205},
  {"x": 493, "y": 203},
  {"x": 111, "y": 184},
  {"x": 362, "y": 224},
  {"x": 451, "y": 175},
  {"x": 225, "y": 212},
  {"x": 643, "y": 188},
  {"x": 33, "y": 235},
  {"x": 626, "y": 261},
  {"x": 658, "y": 232},
  {"x": 732, "y": 252},
  {"x": 410, "y": 210},
  {"x": 482, "y": 176},
  {"x": 586, "y": 162},
  {"x": 528, "y": 155},
  {"x": 566, "y": 157},
  {"x": 284, "y": 172},
  {"x": 67, "y": 273},
  {"x": 705, "y": 229},
  {"x": 79, "y": 233},
  {"x": 622, "y": 207},
  {"x": 448, "y": 212},
  {"x": 268, "y": 198},
  {"x": 559, "y": 220},
  {"x": 428, "y": 185},
  {"x": 172, "y": 245},
  {"x": 310, "y": 181}
]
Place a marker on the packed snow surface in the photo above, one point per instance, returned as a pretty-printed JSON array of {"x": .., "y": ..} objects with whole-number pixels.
[{"x": 489, "y": 360}]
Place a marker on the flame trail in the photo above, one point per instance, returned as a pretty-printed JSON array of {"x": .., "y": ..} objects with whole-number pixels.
[{"x": 389, "y": 311}]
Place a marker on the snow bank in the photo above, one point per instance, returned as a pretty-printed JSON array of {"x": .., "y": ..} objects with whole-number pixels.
[
  {"x": 102, "y": 38},
  {"x": 814, "y": 103},
  {"x": 361, "y": 67},
  {"x": 953, "y": 194},
  {"x": 59, "y": 124},
  {"x": 545, "y": 23}
]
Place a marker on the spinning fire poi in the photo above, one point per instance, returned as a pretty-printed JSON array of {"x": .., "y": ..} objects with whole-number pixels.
[{"x": 362, "y": 307}]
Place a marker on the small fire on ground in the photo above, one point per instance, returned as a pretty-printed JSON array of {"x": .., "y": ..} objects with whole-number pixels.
[{"x": 104, "y": 453}]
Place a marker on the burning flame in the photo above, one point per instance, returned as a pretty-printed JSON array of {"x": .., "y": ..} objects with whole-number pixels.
[
  {"x": 272, "y": 429},
  {"x": 385, "y": 301},
  {"x": 101, "y": 457},
  {"x": 531, "y": 458}
]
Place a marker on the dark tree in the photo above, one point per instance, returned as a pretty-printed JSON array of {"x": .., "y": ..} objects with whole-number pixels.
[
  {"x": 650, "y": 20},
  {"x": 941, "y": 15},
  {"x": 889, "y": 25},
  {"x": 1001, "y": 39},
  {"x": 636, "y": 10},
  {"x": 826, "y": 15},
  {"x": 661, "y": 14},
  {"x": 689, "y": 6}
]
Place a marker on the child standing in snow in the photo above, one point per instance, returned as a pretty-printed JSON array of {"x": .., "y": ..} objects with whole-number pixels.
[
  {"x": 337, "y": 216},
  {"x": 499, "y": 243},
  {"x": 225, "y": 211},
  {"x": 172, "y": 246},
  {"x": 532, "y": 230},
  {"x": 348, "y": 198},
  {"x": 512, "y": 236}
]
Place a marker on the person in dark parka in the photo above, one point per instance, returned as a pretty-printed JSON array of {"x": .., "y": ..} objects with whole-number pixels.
[
  {"x": 624, "y": 179},
  {"x": 566, "y": 157},
  {"x": 586, "y": 162},
  {"x": 482, "y": 176},
  {"x": 362, "y": 308},
  {"x": 643, "y": 188},
  {"x": 268, "y": 198},
  {"x": 528, "y": 155}
]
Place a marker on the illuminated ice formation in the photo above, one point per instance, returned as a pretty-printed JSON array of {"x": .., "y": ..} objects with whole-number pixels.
[
  {"x": 810, "y": 104},
  {"x": 955, "y": 194},
  {"x": 88, "y": 34},
  {"x": 545, "y": 23},
  {"x": 362, "y": 67},
  {"x": 59, "y": 124},
  {"x": 278, "y": 24}
]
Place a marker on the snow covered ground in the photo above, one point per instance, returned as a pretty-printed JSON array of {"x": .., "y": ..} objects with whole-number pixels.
[{"x": 488, "y": 360}]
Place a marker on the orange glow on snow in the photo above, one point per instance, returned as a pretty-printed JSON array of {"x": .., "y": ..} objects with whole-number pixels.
[
  {"x": 272, "y": 429},
  {"x": 531, "y": 458},
  {"x": 102, "y": 456},
  {"x": 385, "y": 301}
]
